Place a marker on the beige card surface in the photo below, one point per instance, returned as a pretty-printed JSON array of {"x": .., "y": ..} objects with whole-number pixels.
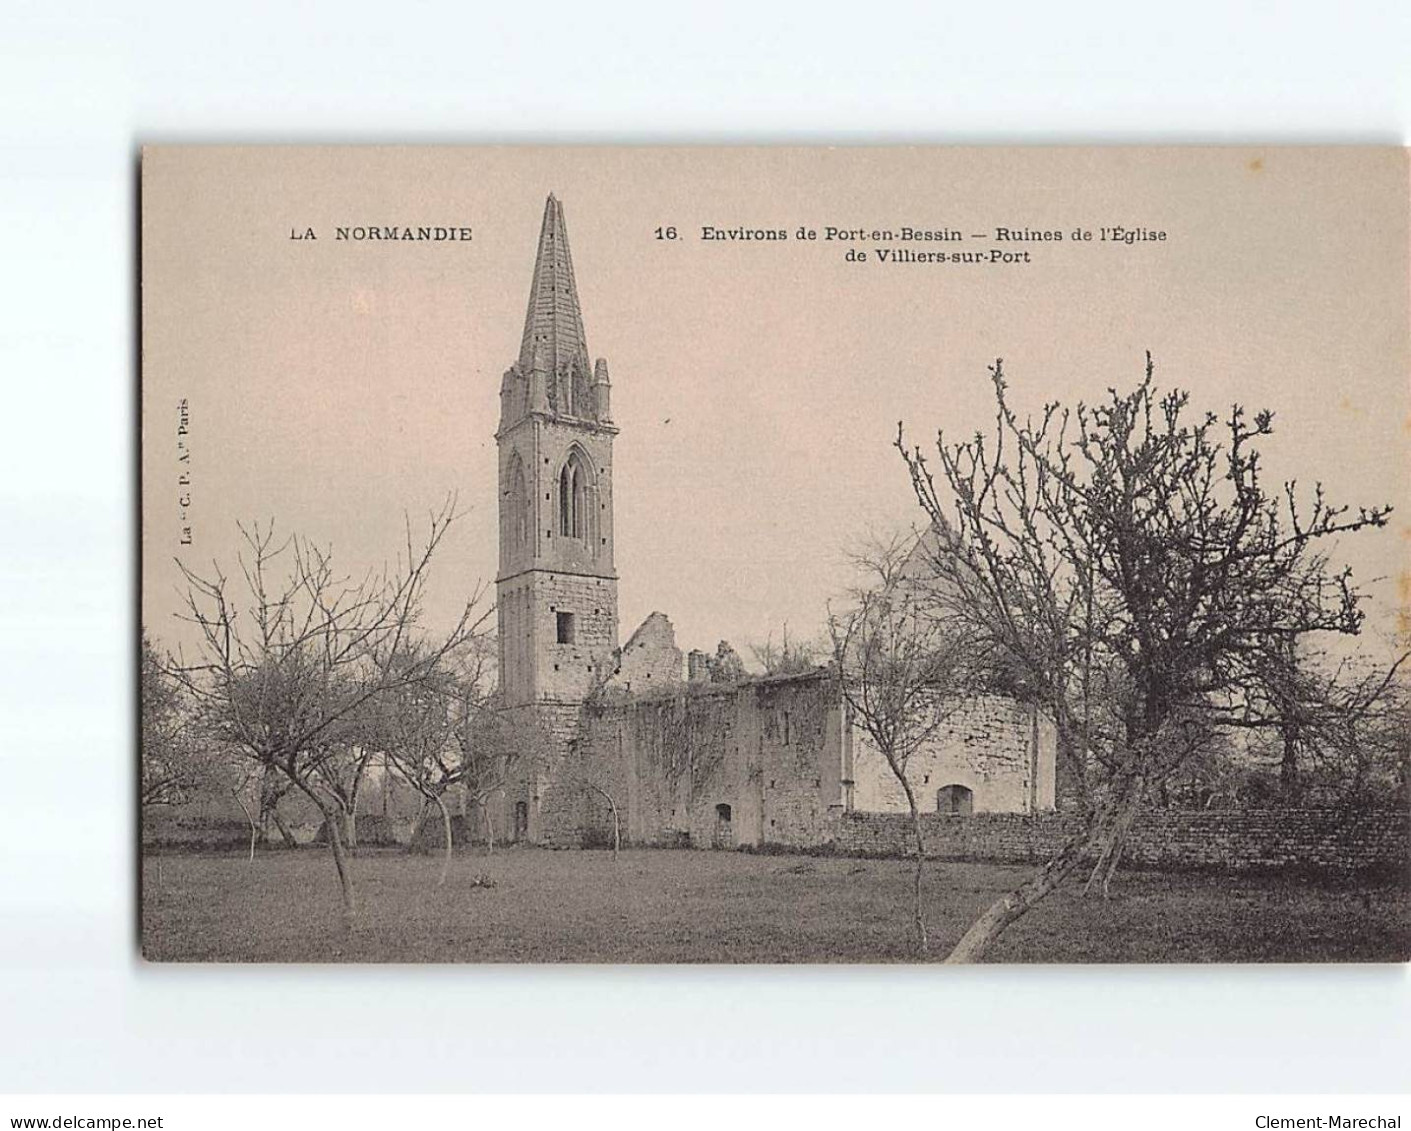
[{"x": 775, "y": 555}]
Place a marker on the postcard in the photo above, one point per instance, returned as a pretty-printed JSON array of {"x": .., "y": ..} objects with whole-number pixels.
[{"x": 775, "y": 555}]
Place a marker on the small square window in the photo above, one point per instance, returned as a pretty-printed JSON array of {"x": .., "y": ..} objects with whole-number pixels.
[{"x": 565, "y": 627}]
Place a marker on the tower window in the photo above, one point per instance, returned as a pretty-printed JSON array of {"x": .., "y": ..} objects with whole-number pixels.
[
  {"x": 573, "y": 497},
  {"x": 519, "y": 507},
  {"x": 565, "y": 627}
]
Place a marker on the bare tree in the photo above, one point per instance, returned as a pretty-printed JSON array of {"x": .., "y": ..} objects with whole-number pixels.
[
  {"x": 1290, "y": 708},
  {"x": 789, "y": 656},
  {"x": 273, "y": 788},
  {"x": 242, "y": 782},
  {"x": 292, "y": 663},
  {"x": 179, "y": 762},
  {"x": 1339, "y": 728},
  {"x": 339, "y": 772},
  {"x": 1130, "y": 544},
  {"x": 899, "y": 668},
  {"x": 449, "y": 733},
  {"x": 1369, "y": 740},
  {"x": 173, "y": 761}
]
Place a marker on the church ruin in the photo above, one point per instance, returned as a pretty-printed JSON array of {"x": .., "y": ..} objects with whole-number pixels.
[{"x": 689, "y": 751}]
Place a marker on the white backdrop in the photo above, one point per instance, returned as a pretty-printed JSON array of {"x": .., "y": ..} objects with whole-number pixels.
[{"x": 81, "y": 86}]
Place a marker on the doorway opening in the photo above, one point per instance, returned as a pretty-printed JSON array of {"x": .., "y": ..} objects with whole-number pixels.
[
  {"x": 724, "y": 836},
  {"x": 956, "y": 800}
]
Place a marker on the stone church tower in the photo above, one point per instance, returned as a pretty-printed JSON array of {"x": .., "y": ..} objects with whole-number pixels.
[{"x": 557, "y": 587}]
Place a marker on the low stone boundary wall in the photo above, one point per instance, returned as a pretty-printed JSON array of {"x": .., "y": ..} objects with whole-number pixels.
[
  {"x": 1296, "y": 840},
  {"x": 1311, "y": 840},
  {"x": 193, "y": 833},
  {"x": 199, "y": 832}
]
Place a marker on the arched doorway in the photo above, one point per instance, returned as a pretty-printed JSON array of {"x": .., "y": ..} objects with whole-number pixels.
[
  {"x": 724, "y": 835},
  {"x": 956, "y": 800}
]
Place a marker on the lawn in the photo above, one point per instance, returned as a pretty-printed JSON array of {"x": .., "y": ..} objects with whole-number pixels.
[{"x": 684, "y": 906}]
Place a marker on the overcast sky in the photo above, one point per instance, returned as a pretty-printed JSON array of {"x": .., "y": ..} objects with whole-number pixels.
[{"x": 758, "y": 385}]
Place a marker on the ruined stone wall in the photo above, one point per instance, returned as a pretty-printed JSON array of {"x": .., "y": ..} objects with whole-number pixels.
[
  {"x": 760, "y": 762},
  {"x": 650, "y": 659},
  {"x": 545, "y": 778},
  {"x": 1312, "y": 840},
  {"x": 1000, "y": 749},
  {"x": 804, "y": 757}
]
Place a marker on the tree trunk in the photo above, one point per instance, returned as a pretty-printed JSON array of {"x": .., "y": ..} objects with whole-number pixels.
[
  {"x": 1289, "y": 784},
  {"x": 414, "y": 841},
  {"x": 1120, "y": 818},
  {"x": 345, "y": 875},
  {"x": 1115, "y": 825},
  {"x": 350, "y": 826},
  {"x": 289, "y": 839},
  {"x": 1070, "y": 769},
  {"x": 1107, "y": 830},
  {"x": 446, "y": 828},
  {"x": 358, "y": 777},
  {"x": 918, "y": 920},
  {"x": 250, "y": 818},
  {"x": 340, "y": 857},
  {"x": 988, "y": 927},
  {"x": 616, "y": 824},
  {"x": 270, "y": 793},
  {"x": 489, "y": 828}
]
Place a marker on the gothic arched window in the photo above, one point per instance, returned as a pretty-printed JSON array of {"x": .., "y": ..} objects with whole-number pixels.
[
  {"x": 574, "y": 482},
  {"x": 515, "y": 513},
  {"x": 518, "y": 508}
]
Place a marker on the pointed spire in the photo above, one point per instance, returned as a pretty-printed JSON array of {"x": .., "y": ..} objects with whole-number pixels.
[{"x": 554, "y": 322}]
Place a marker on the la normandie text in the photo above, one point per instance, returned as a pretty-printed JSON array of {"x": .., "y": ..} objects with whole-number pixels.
[{"x": 368, "y": 233}]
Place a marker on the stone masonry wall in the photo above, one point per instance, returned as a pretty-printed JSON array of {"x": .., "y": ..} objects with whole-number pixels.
[
  {"x": 567, "y": 672},
  {"x": 762, "y": 761},
  {"x": 650, "y": 659},
  {"x": 1312, "y": 840},
  {"x": 546, "y": 778},
  {"x": 1000, "y": 749}
]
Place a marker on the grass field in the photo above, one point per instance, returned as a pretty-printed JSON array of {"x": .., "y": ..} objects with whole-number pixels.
[{"x": 683, "y": 906}]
